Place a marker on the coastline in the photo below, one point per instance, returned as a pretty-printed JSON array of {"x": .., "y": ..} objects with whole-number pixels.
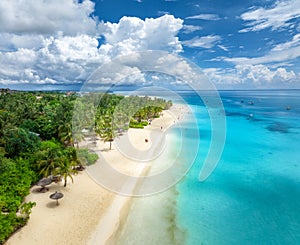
[
  {"x": 88, "y": 213},
  {"x": 114, "y": 219}
]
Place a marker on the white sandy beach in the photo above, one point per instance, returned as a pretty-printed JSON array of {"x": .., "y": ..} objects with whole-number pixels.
[{"x": 89, "y": 213}]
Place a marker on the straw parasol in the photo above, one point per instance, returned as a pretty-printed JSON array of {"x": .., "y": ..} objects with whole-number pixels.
[
  {"x": 43, "y": 182},
  {"x": 56, "y": 195}
]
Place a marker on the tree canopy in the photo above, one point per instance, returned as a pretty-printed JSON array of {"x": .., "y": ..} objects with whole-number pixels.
[{"x": 38, "y": 132}]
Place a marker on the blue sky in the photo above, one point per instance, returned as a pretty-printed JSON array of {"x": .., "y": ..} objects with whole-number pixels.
[{"x": 247, "y": 44}]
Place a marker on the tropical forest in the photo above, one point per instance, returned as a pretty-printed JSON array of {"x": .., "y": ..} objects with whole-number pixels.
[{"x": 40, "y": 135}]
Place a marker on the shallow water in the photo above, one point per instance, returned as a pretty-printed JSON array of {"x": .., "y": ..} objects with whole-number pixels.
[
  {"x": 152, "y": 219},
  {"x": 252, "y": 197}
]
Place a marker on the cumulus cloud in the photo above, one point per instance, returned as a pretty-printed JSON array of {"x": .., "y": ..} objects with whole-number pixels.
[
  {"x": 218, "y": 76},
  {"x": 56, "y": 42},
  {"x": 262, "y": 75},
  {"x": 204, "y": 17},
  {"x": 166, "y": 70},
  {"x": 11, "y": 41},
  {"x": 281, "y": 15},
  {"x": 64, "y": 60},
  {"x": 67, "y": 59},
  {"x": 47, "y": 17},
  {"x": 252, "y": 76},
  {"x": 132, "y": 33},
  {"x": 203, "y": 42}
]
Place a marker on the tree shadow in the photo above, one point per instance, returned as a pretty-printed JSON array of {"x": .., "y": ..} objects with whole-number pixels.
[
  {"x": 105, "y": 149},
  {"x": 50, "y": 188},
  {"x": 37, "y": 190}
]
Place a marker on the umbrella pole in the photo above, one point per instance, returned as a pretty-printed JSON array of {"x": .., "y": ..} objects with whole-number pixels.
[{"x": 56, "y": 202}]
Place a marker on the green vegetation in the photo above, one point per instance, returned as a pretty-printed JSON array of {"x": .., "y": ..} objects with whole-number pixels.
[
  {"x": 86, "y": 157},
  {"x": 16, "y": 178},
  {"x": 136, "y": 124},
  {"x": 39, "y": 134}
]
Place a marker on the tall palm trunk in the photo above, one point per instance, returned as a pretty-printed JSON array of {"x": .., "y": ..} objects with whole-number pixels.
[{"x": 65, "y": 179}]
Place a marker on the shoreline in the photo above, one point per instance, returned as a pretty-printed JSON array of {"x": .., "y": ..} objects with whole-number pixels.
[
  {"x": 115, "y": 218},
  {"x": 85, "y": 205}
]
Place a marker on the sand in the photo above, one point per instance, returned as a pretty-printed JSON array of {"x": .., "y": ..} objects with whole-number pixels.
[{"x": 89, "y": 213}]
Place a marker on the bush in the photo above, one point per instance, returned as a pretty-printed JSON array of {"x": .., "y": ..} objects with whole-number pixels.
[
  {"x": 9, "y": 223},
  {"x": 92, "y": 158},
  {"x": 85, "y": 157},
  {"x": 136, "y": 124},
  {"x": 15, "y": 180}
]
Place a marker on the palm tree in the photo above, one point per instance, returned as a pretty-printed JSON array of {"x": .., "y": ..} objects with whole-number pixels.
[
  {"x": 49, "y": 158},
  {"x": 105, "y": 129},
  {"x": 66, "y": 169},
  {"x": 65, "y": 133},
  {"x": 108, "y": 136},
  {"x": 54, "y": 160},
  {"x": 77, "y": 136}
]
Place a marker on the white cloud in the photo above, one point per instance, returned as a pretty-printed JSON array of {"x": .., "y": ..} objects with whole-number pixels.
[
  {"x": 190, "y": 28},
  {"x": 283, "y": 52},
  {"x": 134, "y": 34},
  {"x": 223, "y": 47},
  {"x": 47, "y": 17},
  {"x": 117, "y": 73},
  {"x": 285, "y": 46},
  {"x": 169, "y": 68},
  {"x": 11, "y": 41},
  {"x": 65, "y": 59},
  {"x": 161, "y": 12},
  {"x": 252, "y": 76},
  {"x": 204, "y": 17},
  {"x": 281, "y": 15},
  {"x": 262, "y": 75},
  {"x": 203, "y": 42},
  {"x": 271, "y": 57},
  {"x": 225, "y": 77}
]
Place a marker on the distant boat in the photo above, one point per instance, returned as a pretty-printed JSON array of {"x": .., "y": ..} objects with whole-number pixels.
[
  {"x": 250, "y": 116},
  {"x": 288, "y": 108}
]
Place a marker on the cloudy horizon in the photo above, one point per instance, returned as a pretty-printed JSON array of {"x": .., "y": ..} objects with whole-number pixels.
[{"x": 249, "y": 45}]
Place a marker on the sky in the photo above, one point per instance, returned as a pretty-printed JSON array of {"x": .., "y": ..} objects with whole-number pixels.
[{"x": 52, "y": 44}]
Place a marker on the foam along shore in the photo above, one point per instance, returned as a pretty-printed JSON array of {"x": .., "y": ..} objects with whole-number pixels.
[
  {"x": 89, "y": 213},
  {"x": 128, "y": 159}
]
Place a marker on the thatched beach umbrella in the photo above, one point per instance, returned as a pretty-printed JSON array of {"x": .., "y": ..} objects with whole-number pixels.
[
  {"x": 56, "y": 196},
  {"x": 43, "y": 182}
]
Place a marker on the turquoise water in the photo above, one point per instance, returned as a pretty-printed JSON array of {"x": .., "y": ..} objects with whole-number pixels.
[{"x": 253, "y": 196}]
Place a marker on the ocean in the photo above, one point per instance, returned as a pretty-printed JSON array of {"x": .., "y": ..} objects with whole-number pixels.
[{"x": 253, "y": 195}]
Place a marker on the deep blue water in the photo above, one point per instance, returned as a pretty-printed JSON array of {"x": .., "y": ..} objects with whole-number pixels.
[{"x": 253, "y": 196}]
